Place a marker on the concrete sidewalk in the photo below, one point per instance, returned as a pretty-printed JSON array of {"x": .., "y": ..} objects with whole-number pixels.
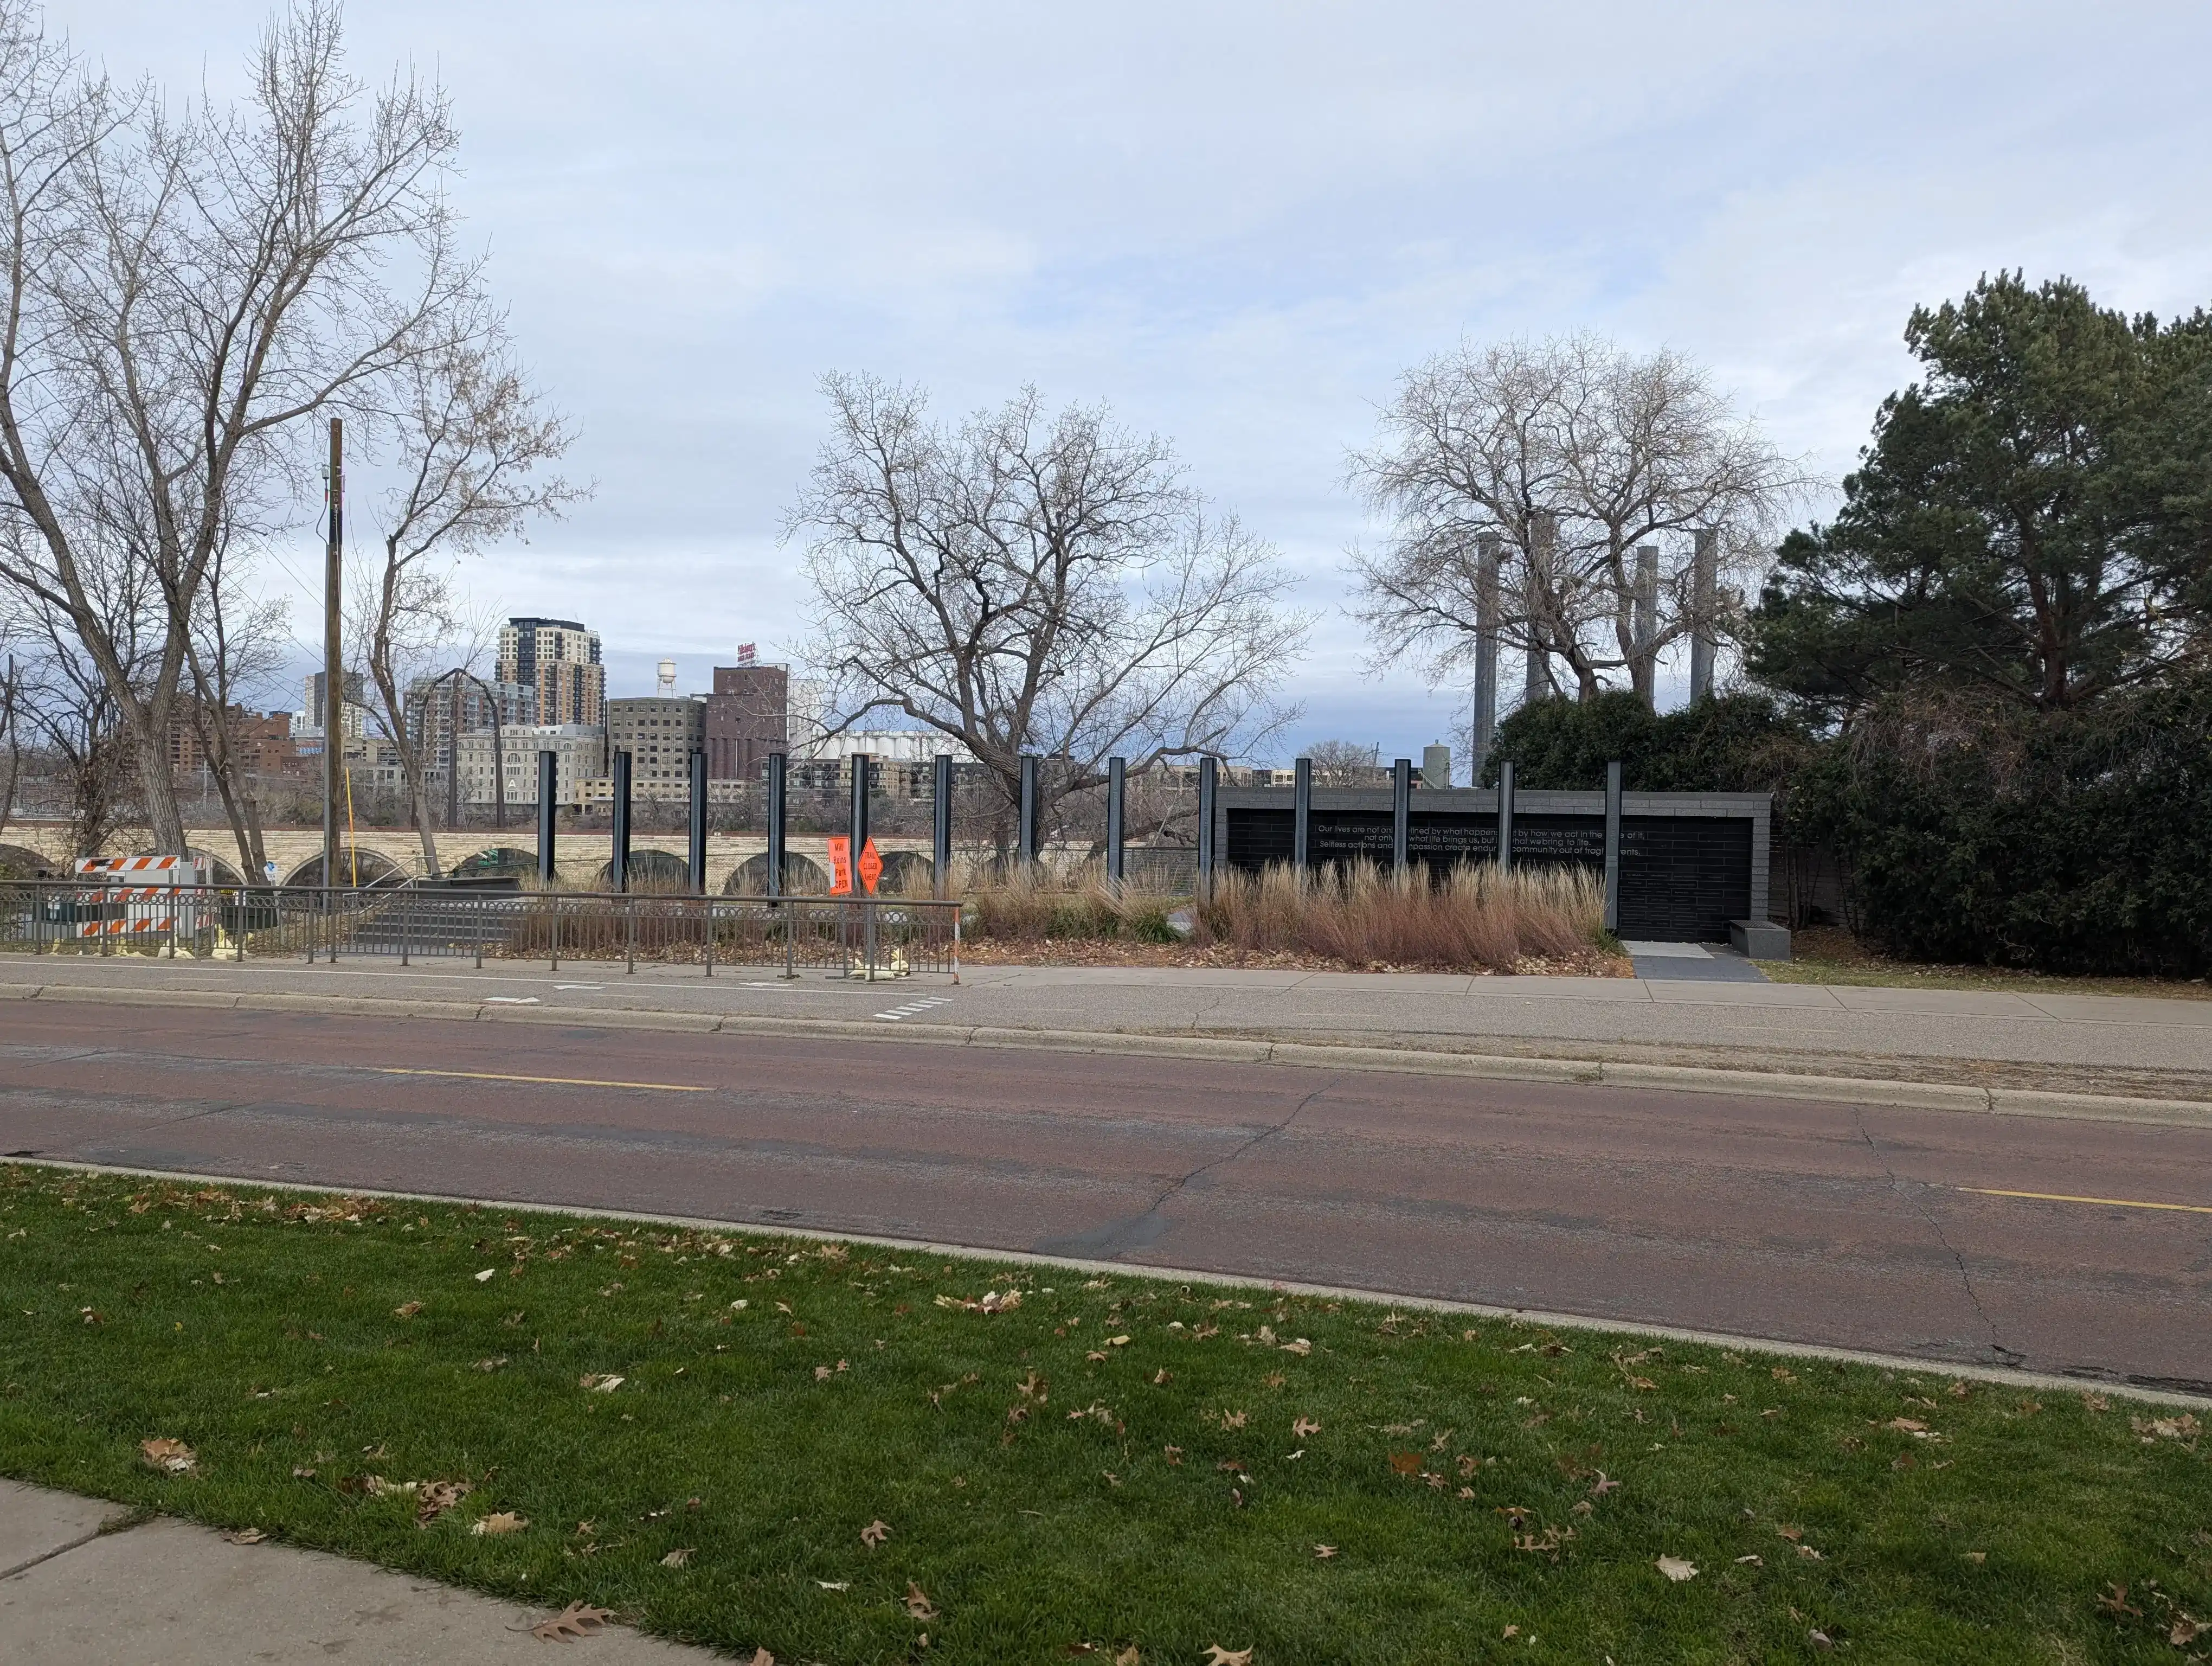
[
  {"x": 2118, "y": 1045},
  {"x": 85, "y": 1583}
]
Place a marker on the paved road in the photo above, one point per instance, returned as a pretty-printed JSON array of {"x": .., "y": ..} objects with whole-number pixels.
[
  {"x": 2092, "y": 1043},
  {"x": 1798, "y": 1220}
]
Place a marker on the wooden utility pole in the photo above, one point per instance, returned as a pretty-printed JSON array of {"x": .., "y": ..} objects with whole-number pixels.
[{"x": 333, "y": 656}]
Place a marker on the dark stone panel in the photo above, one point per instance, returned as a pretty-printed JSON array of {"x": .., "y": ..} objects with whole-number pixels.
[{"x": 1684, "y": 877}]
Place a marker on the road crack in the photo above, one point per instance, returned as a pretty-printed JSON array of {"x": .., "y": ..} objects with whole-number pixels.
[
  {"x": 1915, "y": 1193},
  {"x": 1135, "y": 1231}
]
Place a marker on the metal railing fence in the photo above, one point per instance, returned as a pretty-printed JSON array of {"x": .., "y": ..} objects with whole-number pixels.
[{"x": 879, "y": 936}]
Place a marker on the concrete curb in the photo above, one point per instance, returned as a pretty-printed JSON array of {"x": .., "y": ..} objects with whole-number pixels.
[
  {"x": 2010, "y": 1375},
  {"x": 1660, "y": 1078}
]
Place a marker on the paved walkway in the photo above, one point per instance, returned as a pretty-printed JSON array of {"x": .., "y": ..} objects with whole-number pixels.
[
  {"x": 83, "y": 1583},
  {"x": 2094, "y": 1044}
]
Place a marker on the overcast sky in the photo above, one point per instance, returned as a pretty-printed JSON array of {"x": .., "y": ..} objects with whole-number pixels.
[{"x": 1234, "y": 222}]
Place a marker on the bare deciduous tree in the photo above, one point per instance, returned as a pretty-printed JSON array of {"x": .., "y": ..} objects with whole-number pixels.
[
  {"x": 240, "y": 644},
  {"x": 1574, "y": 456},
  {"x": 1034, "y": 583},
  {"x": 472, "y": 441},
  {"x": 1344, "y": 763},
  {"x": 177, "y": 290}
]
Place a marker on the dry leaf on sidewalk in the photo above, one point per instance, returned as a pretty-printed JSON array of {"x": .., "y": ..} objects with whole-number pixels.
[
  {"x": 247, "y": 1535},
  {"x": 170, "y": 1458},
  {"x": 577, "y": 1619}
]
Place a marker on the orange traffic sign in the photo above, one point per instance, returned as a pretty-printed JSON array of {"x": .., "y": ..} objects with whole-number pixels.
[
  {"x": 841, "y": 868},
  {"x": 872, "y": 865}
]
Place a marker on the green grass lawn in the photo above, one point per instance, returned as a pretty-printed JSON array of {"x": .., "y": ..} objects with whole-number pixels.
[
  {"x": 834, "y": 1452},
  {"x": 1824, "y": 954}
]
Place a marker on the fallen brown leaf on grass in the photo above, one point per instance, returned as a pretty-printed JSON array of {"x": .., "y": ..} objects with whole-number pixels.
[
  {"x": 1676, "y": 1569},
  {"x": 577, "y": 1619},
  {"x": 1604, "y": 1486},
  {"x": 874, "y": 1534},
  {"x": 407, "y": 1310},
  {"x": 2185, "y": 1630},
  {"x": 761, "y": 1658},
  {"x": 437, "y": 1497},
  {"x": 502, "y": 1520},
  {"x": 676, "y": 1558},
  {"x": 1322, "y": 1553},
  {"x": 1162, "y": 1377},
  {"x": 1232, "y": 1419},
  {"x": 170, "y": 1458},
  {"x": 1299, "y": 1346},
  {"x": 1128, "y": 1657},
  {"x": 491, "y": 1364},
  {"x": 917, "y": 1603},
  {"x": 1405, "y": 1463},
  {"x": 597, "y": 1384},
  {"x": 2115, "y": 1602},
  {"x": 2185, "y": 1428},
  {"x": 1218, "y": 1655},
  {"x": 1305, "y": 1427},
  {"x": 1546, "y": 1543}
]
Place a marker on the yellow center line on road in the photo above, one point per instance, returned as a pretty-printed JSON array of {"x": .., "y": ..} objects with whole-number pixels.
[
  {"x": 2110, "y": 1202},
  {"x": 543, "y": 1081}
]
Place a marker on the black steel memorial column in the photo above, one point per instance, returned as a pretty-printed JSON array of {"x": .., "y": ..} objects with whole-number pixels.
[
  {"x": 1117, "y": 782},
  {"x": 1402, "y": 814},
  {"x": 549, "y": 782},
  {"x": 1505, "y": 817},
  {"x": 1209, "y": 790},
  {"x": 1612, "y": 846},
  {"x": 778, "y": 765},
  {"x": 698, "y": 851},
  {"x": 1026, "y": 834},
  {"x": 940, "y": 826}
]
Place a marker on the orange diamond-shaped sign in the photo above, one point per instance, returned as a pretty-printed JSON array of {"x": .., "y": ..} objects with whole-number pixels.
[{"x": 872, "y": 865}]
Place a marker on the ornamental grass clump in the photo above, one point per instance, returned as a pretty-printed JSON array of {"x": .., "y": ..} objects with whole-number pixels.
[
  {"x": 1473, "y": 916},
  {"x": 1042, "y": 904}
]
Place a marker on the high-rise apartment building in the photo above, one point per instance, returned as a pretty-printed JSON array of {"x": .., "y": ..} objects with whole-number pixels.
[
  {"x": 560, "y": 661},
  {"x": 748, "y": 717}
]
